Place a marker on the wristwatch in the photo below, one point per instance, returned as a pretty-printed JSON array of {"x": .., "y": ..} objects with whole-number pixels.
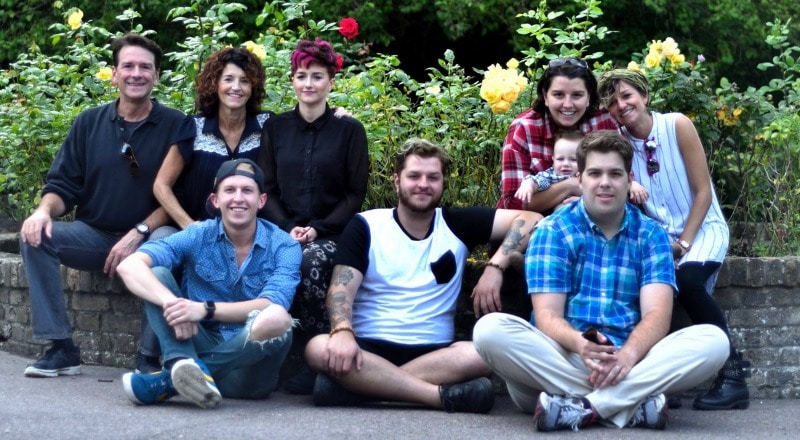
[
  {"x": 210, "y": 309},
  {"x": 684, "y": 245},
  {"x": 143, "y": 229}
]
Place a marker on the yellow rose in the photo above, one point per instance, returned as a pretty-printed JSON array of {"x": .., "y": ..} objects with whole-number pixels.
[
  {"x": 676, "y": 59},
  {"x": 655, "y": 46},
  {"x": 669, "y": 47},
  {"x": 633, "y": 65},
  {"x": 75, "y": 19},
  {"x": 500, "y": 107},
  {"x": 490, "y": 93},
  {"x": 510, "y": 95},
  {"x": 104, "y": 74},
  {"x": 512, "y": 63},
  {"x": 652, "y": 60},
  {"x": 257, "y": 49}
]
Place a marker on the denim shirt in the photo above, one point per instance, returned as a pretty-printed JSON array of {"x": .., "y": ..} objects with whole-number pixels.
[{"x": 210, "y": 272}]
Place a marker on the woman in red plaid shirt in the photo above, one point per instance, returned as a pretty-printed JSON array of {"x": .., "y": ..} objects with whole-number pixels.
[{"x": 567, "y": 99}]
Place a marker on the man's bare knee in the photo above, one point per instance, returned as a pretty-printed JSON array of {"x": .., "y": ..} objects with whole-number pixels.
[{"x": 315, "y": 349}]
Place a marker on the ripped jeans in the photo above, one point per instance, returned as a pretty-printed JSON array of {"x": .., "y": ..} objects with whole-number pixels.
[{"x": 242, "y": 369}]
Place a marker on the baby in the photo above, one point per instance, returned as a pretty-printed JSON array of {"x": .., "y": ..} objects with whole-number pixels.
[{"x": 565, "y": 165}]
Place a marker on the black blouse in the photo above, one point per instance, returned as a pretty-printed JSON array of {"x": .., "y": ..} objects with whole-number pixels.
[{"x": 315, "y": 173}]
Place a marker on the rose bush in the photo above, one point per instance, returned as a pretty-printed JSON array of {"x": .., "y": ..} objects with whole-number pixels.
[{"x": 751, "y": 136}]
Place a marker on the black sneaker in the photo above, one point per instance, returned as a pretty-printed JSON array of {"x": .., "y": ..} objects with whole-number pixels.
[
  {"x": 559, "y": 412},
  {"x": 147, "y": 364},
  {"x": 653, "y": 413},
  {"x": 474, "y": 396},
  {"x": 302, "y": 382},
  {"x": 57, "y": 361},
  {"x": 328, "y": 392}
]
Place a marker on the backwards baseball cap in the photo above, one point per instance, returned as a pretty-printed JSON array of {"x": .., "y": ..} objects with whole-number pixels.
[{"x": 230, "y": 168}]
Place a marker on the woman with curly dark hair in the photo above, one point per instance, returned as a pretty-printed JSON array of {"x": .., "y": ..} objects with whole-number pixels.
[
  {"x": 230, "y": 89},
  {"x": 316, "y": 168}
]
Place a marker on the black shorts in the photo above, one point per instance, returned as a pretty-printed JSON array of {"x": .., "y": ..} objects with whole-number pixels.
[{"x": 398, "y": 354}]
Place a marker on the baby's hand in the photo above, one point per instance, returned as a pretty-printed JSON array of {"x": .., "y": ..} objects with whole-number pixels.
[
  {"x": 638, "y": 194},
  {"x": 526, "y": 191}
]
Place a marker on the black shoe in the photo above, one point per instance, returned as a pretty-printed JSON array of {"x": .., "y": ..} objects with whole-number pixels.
[
  {"x": 729, "y": 390},
  {"x": 302, "y": 382},
  {"x": 475, "y": 396},
  {"x": 147, "y": 364},
  {"x": 327, "y": 392},
  {"x": 674, "y": 402},
  {"x": 57, "y": 361}
]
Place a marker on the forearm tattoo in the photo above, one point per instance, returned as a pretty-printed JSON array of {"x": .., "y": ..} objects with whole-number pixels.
[
  {"x": 339, "y": 308},
  {"x": 513, "y": 239}
]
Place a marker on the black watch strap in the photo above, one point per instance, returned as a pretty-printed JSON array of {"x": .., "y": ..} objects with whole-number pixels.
[{"x": 210, "y": 309}]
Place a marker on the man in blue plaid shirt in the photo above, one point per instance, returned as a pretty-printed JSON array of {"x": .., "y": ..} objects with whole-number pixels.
[{"x": 601, "y": 278}]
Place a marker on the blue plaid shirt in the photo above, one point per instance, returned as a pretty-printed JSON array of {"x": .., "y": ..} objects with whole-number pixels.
[
  {"x": 602, "y": 278},
  {"x": 210, "y": 272}
]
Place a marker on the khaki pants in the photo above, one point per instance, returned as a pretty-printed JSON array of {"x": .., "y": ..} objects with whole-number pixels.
[{"x": 530, "y": 362}]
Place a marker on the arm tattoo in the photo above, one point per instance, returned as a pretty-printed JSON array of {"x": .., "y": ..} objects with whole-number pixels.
[
  {"x": 339, "y": 308},
  {"x": 342, "y": 276},
  {"x": 514, "y": 237}
]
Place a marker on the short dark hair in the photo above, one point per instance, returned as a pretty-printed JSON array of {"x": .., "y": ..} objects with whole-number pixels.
[
  {"x": 605, "y": 141},
  {"x": 207, "y": 99},
  {"x": 422, "y": 148},
  {"x": 134, "y": 39},
  {"x": 570, "y": 71}
]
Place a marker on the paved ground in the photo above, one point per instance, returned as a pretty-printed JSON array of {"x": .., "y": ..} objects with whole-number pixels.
[{"x": 93, "y": 405}]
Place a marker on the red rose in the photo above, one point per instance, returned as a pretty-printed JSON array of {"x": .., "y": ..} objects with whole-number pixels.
[
  {"x": 339, "y": 62},
  {"x": 348, "y": 27}
]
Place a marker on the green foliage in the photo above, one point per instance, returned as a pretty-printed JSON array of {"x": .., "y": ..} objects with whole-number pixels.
[{"x": 752, "y": 136}]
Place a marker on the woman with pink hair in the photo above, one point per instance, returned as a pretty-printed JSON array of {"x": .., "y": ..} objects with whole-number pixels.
[{"x": 316, "y": 168}]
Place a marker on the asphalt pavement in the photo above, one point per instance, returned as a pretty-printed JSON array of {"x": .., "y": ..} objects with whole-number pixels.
[{"x": 93, "y": 406}]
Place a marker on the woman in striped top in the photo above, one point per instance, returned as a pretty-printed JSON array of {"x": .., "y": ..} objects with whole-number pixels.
[{"x": 670, "y": 163}]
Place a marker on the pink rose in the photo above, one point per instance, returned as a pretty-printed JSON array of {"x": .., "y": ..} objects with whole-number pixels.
[{"x": 348, "y": 27}]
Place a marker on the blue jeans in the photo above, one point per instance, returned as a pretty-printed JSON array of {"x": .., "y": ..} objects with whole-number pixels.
[
  {"x": 242, "y": 369},
  {"x": 73, "y": 244}
]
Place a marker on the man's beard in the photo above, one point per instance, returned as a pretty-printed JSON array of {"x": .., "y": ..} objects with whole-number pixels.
[{"x": 406, "y": 200}]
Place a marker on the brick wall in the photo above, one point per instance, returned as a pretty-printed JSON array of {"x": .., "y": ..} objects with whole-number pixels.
[{"x": 759, "y": 296}]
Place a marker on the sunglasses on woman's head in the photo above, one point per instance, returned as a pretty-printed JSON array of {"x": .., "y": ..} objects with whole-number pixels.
[{"x": 558, "y": 62}]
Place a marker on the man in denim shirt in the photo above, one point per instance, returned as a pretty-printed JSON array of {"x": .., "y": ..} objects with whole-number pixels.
[
  {"x": 226, "y": 330},
  {"x": 601, "y": 279}
]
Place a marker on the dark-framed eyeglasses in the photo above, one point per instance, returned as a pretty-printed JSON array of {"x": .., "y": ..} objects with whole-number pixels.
[
  {"x": 652, "y": 163},
  {"x": 575, "y": 62},
  {"x": 127, "y": 153}
]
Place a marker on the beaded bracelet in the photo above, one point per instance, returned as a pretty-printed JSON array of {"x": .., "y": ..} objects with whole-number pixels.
[
  {"x": 343, "y": 328},
  {"x": 495, "y": 265}
]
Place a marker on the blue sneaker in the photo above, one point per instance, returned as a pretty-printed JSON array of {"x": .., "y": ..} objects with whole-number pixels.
[
  {"x": 147, "y": 389},
  {"x": 57, "y": 361},
  {"x": 193, "y": 381}
]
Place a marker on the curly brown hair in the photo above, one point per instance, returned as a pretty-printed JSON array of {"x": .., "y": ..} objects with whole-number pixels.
[{"x": 207, "y": 101}]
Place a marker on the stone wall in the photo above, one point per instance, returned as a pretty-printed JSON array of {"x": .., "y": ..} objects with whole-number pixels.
[{"x": 759, "y": 296}]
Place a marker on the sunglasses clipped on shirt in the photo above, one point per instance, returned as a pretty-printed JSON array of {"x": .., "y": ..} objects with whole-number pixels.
[
  {"x": 652, "y": 163},
  {"x": 127, "y": 153},
  {"x": 574, "y": 62}
]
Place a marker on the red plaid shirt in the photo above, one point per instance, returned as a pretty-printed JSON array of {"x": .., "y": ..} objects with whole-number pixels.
[{"x": 528, "y": 149}]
